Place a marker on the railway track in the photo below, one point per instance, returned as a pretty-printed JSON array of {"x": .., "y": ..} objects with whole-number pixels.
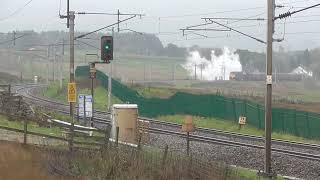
[{"x": 207, "y": 135}]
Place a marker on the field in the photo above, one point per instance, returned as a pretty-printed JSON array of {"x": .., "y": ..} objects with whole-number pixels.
[
  {"x": 161, "y": 71},
  {"x": 125, "y": 67}
]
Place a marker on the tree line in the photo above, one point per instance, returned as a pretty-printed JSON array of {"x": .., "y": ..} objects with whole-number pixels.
[{"x": 150, "y": 45}]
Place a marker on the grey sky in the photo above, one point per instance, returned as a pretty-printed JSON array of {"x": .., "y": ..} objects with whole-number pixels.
[{"x": 42, "y": 15}]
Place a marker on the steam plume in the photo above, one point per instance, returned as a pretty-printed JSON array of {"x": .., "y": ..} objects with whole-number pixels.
[{"x": 218, "y": 68}]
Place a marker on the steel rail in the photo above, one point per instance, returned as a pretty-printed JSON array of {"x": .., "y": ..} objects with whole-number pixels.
[{"x": 175, "y": 125}]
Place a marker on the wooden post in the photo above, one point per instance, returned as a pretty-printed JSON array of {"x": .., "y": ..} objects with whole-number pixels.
[
  {"x": 9, "y": 89},
  {"x": 188, "y": 143},
  {"x": 117, "y": 135},
  {"x": 139, "y": 141},
  {"x": 71, "y": 137},
  {"x": 19, "y": 103},
  {"x": 165, "y": 155},
  {"x": 107, "y": 136},
  {"x": 25, "y": 131}
]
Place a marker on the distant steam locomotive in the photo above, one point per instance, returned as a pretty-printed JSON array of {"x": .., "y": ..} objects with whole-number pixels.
[{"x": 243, "y": 76}]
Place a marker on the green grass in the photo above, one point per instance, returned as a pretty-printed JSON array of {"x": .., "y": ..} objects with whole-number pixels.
[
  {"x": 53, "y": 131},
  {"x": 100, "y": 98},
  {"x": 100, "y": 95},
  {"x": 229, "y": 126},
  {"x": 152, "y": 92},
  {"x": 246, "y": 174},
  {"x": 32, "y": 127},
  {"x": 54, "y": 92}
]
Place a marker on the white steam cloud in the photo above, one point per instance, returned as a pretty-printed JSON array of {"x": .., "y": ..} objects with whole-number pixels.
[{"x": 218, "y": 68}]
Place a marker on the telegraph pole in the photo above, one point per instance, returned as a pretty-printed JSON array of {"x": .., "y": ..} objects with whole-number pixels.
[
  {"x": 118, "y": 20},
  {"x": 61, "y": 64},
  {"x": 14, "y": 38},
  {"x": 109, "y": 87},
  {"x": 20, "y": 66},
  {"x": 54, "y": 65},
  {"x": 71, "y": 18},
  {"x": 110, "y": 81},
  {"x": 268, "y": 101}
]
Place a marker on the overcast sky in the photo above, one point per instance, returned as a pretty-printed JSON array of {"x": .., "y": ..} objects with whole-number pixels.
[{"x": 166, "y": 17}]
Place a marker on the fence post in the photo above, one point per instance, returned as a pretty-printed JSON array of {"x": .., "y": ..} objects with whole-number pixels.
[
  {"x": 139, "y": 141},
  {"x": 71, "y": 137},
  {"x": 282, "y": 118},
  {"x": 259, "y": 120},
  {"x": 308, "y": 125},
  {"x": 107, "y": 136},
  {"x": 234, "y": 110},
  {"x": 117, "y": 135},
  {"x": 19, "y": 103},
  {"x": 245, "y": 109},
  {"x": 188, "y": 143},
  {"x": 9, "y": 90},
  {"x": 25, "y": 131},
  {"x": 295, "y": 123},
  {"x": 165, "y": 155},
  {"x": 224, "y": 110}
]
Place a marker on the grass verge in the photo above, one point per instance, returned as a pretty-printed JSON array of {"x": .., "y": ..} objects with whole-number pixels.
[{"x": 100, "y": 95}]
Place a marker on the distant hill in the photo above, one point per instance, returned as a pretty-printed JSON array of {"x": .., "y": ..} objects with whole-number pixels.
[
  {"x": 130, "y": 43},
  {"x": 125, "y": 43}
]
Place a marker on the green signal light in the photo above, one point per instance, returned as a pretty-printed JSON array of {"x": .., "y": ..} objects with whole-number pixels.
[{"x": 106, "y": 47}]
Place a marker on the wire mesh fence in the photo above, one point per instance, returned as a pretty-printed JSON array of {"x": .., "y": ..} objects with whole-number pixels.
[{"x": 290, "y": 121}]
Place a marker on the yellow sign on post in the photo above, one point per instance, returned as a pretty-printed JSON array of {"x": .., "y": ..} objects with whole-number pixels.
[
  {"x": 72, "y": 92},
  {"x": 242, "y": 120}
]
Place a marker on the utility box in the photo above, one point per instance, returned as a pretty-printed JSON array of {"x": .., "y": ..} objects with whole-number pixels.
[{"x": 125, "y": 116}]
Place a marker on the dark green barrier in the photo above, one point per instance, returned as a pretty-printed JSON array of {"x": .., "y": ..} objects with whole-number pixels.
[{"x": 284, "y": 120}]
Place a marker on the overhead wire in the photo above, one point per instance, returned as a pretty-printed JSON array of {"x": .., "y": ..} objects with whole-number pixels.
[
  {"x": 16, "y": 11},
  {"x": 11, "y": 40}
]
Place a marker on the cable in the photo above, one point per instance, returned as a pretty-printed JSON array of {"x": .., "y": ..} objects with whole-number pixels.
[
  {"x": 88, "y": 44},
  {"x": 259, "y": 40},
  {"x": 60, "y": 8},
  {"x": 4, "y": 42},
  {"x": 219, "y": 12},
  {"x": 291, "y": 22},
  {"x": 83, "y": 35},
  {"x": 238, "y": 19},
  {"x": 17, "y": 11},
  {"x": 288, "y": 14}
]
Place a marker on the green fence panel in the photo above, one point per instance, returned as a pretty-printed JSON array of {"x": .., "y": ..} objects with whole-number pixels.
[
  {"x": 252, "y": 114},
  {"x": 314, "y": 124},
  {"x": 284, "y": 120}
]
